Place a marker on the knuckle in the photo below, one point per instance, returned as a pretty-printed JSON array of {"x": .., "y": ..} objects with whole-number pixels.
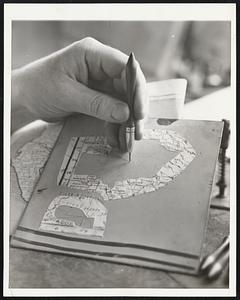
[
  {"x": 137, "y": 65},
  {"x": 140, "y": 115},
  {"x": 84, "y": 45},
  {"x": 141, "y": 111},
  {"x": 88, "y": 42}
]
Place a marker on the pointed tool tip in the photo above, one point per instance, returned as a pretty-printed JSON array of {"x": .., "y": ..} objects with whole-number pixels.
[
  {"x": 129, "y": 156},
  {"x": 131, "y": 56}
]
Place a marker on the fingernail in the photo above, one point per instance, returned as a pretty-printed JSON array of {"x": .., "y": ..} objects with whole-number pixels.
[{"x": 120, "y": 112}]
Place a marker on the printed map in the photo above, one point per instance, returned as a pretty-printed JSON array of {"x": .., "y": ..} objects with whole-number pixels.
[
  {"x": 75, "y": 214},
  {"x": 29, "y": 160},
  {"x": 85, "y": 214},
  {"x": 168, "y": 139}
]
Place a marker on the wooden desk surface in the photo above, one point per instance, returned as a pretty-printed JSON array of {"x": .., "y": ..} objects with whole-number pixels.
[{"x": 32, "y": 269}]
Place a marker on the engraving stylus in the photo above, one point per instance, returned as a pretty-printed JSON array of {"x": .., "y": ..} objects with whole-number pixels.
[{"x": 131, "y": 72}]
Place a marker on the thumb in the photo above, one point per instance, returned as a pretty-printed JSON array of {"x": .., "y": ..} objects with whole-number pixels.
[{"x": 99, "y": 105}]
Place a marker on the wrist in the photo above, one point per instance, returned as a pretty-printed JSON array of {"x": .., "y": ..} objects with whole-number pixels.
[{"x": 20, "y": 115}]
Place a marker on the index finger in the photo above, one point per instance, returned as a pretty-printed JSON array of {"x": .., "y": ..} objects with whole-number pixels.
[
  {"x": 140, "y": 96},
  {"x": 105, "y": 62}
]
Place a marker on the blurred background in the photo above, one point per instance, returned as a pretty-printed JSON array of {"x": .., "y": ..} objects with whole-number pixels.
[{"x": 195, "y": 50}]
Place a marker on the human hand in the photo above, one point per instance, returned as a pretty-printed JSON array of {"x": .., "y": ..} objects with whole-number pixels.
[{"x": 86, "y": 77}]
